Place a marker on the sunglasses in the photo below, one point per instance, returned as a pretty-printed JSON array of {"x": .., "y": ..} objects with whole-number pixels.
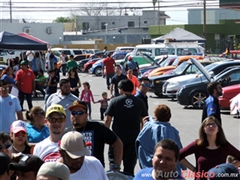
[
  {"x": 6, "y": 88},
  {"x": 79, "y": 113},
  {"x": 5, "y": 146},
  {"x": 40, "y": 112},
  {"x": 18, "y": 134},
  {"x": 54, "y": 120},
  {"x": 211, "y": 124},
  {"x": 146, "y": 85}
]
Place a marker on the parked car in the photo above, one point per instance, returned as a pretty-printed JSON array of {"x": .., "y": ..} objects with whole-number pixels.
[
  {"x": 89, "y": 64},
  {"x": 233, "y": 54},
  {"x": 229, "y": 92},
  {"x": 172, "y": 85},
  {"x": 186, "y": 67},
  {"x": 81, "y": 57},
  {"x": 97, "y": 66},
  {"x": 92, "y": 51},
  {"x": 196, "y": 93},
  {"x": 177, "y": 61}
]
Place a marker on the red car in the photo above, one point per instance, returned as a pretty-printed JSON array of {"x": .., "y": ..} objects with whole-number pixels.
[
  {"x": 228, "y": 93},
  {"x": 89, "y": 64}
]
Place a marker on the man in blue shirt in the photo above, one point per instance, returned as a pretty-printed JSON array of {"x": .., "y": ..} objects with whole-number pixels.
[
  {"x": 211, "y": 106},
  {"x": 164, "y": 161}
]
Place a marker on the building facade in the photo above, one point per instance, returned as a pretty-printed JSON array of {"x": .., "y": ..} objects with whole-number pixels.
[
  {"x": 213, "y": 15},
  {"x": 105, "y": 23}
]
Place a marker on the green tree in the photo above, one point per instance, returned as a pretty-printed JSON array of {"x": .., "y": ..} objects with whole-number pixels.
[{"x": 63, "y": 20}]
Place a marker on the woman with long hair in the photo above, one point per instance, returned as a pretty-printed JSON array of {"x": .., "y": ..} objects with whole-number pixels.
[
  {"x": 7, "y": 75},
  {"x": 74, "y": 81},
  {"x": 210, "y": 150},
  {"x": 36, "y": 128},
  {"x": 18, "y": 134}
]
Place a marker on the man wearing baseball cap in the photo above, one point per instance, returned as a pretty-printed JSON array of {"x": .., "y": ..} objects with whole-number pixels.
[
  {"x": 53, "y": 171},
  {"x": 48, "y": 149},
  {"x": 5, "y": 173},
  {"x": 95, "y": 133},
  {"x": 27, "y": 168},
  {"x": 75, "y": 156}
]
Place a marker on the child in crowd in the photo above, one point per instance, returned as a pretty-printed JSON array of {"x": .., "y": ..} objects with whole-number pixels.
[
  {"x": 51, "y": 84},
  {"x": 18, "y": 134},
  {"x": 103, "y": 104},
  {"x": 86, "y": 96}
]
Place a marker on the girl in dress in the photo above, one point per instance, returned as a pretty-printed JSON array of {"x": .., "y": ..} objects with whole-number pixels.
[{"x": 87, "y": 97}]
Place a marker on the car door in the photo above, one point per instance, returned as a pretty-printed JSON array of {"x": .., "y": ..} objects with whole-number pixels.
[{"x": 231, "y": 77}]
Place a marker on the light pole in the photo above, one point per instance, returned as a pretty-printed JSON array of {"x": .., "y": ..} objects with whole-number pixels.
[
  {"x": 114, "y": 39},
  {"x": 106, "y": 33},
  {"x": 60, "y": 40},
  {"x": 204, "y": 23},
  {"x": 159, "y": 15}
]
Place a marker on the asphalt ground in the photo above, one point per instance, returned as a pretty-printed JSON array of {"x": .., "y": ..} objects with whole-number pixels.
[{"x": 186, "y": 121}]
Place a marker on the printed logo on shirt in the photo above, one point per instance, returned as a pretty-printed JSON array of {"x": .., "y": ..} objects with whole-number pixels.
[
  {"x": 129, "y": 103},
  {"x": 29, "y": 74},
  {"x": 89, "y": 140},
  {"x": 10, "y": 103},
  {"x": 212, "y": 109},
  {"x": 52, "y": 157}
]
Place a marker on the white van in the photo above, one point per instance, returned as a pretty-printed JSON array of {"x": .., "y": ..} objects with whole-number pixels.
[{"x": 169, "y": 48}]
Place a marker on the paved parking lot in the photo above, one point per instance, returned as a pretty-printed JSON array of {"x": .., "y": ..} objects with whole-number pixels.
[{"x": 187, "y": 121}]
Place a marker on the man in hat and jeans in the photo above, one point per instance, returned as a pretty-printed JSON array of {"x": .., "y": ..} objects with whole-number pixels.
[
  {"x": 25, "y": 80},
  {"x": 5, "y": 173},
  {"x": 48, "y": 149},
  {"x": 27, "y": 168},
  {"x": 75, "y": 156}
]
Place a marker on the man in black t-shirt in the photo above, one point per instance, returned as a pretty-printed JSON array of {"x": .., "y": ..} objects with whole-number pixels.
[
  {"x": 95, "y": 133},
  {"x": 115, "y": 80},
  {"x": 127, "y": 111},
  {"x": 52, "y": 82}
]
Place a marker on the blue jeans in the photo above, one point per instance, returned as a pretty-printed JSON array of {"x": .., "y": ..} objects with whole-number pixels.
[
  {"x": 28, "y": 98},
  {"x": 89, "y": 108},
  {"x": 64, "y": 67},
  {"x": 108, "y": 77}
]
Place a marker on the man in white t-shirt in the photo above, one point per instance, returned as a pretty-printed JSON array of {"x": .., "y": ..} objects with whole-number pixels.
[
  {"x": 75, "y": 155},
  {"x": 9, "y": 107},
  {"x": 48, "y": 149}
]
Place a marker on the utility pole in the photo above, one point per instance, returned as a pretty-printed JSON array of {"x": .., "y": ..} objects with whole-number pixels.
[
  {"x": 10, "y": 11},
  {"x": 204, "y": 24},
  {"x": 154, "y": 3},
  {"x": 159, "y": 15}
]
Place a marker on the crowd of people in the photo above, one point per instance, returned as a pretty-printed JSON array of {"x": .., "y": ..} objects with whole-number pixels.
[{"x": 60, "y": 141}]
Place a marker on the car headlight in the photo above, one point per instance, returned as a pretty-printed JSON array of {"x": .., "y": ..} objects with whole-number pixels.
[
  {"x": 180, "y": 90},
  {"x": 157, "y": 81},
  {"x": 173, "y": 84}
]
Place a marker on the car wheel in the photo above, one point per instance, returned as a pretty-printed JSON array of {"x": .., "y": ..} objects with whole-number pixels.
[
  {"x": 98, "y": 71},
  {"x": 159, "y": 94},
  {"x": 79, "y": 69},
  {"x": 197, "y": 99}
]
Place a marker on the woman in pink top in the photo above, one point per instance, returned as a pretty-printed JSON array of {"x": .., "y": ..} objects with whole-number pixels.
[
  {"x": 210, "y": 150},
  {"x": 87, "y": 96}
]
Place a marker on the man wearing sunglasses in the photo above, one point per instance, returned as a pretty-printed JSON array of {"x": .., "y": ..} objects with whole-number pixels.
[
  {"x": 9, "y": 107},
  {"x": 48, "y": 149},
  {"x": 95, "y": 134},
  {"x": 64, "y": 97},
  {"x": 128, "y": 112},
  {"x": 145, "y": 85}
]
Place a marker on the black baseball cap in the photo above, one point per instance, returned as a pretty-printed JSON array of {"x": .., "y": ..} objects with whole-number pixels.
[
  {"x": 5, "y": 161},
  {"x": 27, "y": 163}
]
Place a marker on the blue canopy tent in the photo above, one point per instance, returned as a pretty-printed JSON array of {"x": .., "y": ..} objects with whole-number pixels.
[{"x": 17, "y": 42}]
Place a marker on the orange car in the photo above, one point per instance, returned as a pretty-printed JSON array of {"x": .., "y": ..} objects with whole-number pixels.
[{"x": 177, "y": 61}]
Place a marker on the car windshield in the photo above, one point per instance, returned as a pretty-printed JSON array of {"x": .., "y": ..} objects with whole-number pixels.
[
  {"x": 208, "y": 67},
  {"x": 179, "y": 70}
]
